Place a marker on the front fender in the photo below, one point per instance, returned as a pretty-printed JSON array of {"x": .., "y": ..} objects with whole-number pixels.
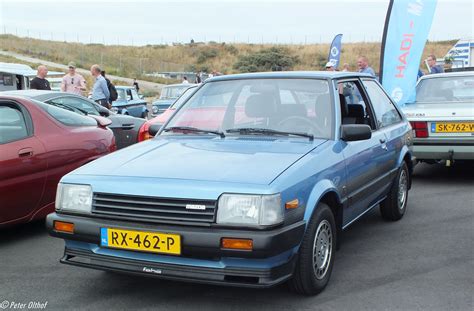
[{"x": 319, "y": 190}]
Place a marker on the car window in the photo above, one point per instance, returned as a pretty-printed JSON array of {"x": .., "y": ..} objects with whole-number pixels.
[
  {"x": 134, "y": 94},
  {"x": 385, "y": 112},
  {"x": 172, "y": 91},
  {"x": 445, "y": 90},
  {"x": 78, "y": 103},
  {"x": 285, "y": 105},
  {"x": 66, "y": 117},
  {"x": 183, "y": 98},
  {"x": 121, "y": 94},
  {"x": 354, "y": 109},
  {"x": 12, "y": 124}
]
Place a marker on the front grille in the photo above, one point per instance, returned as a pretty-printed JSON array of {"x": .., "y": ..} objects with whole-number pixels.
[{"x": 164, "y": 210}]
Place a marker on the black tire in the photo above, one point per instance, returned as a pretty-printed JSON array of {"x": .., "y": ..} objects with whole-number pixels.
[
  {"x": 306, "y": 279},
  {"x": 395, "y": 205}
]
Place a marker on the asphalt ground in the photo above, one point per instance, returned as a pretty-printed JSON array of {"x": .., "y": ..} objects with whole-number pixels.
[{"x": 423, "y": 262}]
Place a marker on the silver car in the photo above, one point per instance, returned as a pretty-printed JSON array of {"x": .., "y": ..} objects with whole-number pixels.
[{"x": 442, "y": 117}]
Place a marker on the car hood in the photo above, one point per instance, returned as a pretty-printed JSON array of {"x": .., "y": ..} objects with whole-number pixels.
[
  {"x": 240, "y": 160},
  {"x": 429, "y": 110}
]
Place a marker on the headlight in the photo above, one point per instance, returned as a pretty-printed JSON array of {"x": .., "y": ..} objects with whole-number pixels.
[
  {"x": 154, "y": 109},
  {"x": 242, "y": 209},
  {"x": 74, "y": 198}
]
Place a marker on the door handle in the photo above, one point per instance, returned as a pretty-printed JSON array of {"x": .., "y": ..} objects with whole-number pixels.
[
  {"x": 383, "y": 140},
  {"x": 25, "y": 152}
]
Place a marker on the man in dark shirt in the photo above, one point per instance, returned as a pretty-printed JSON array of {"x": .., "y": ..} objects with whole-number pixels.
[{"x": 39, "y": 82}]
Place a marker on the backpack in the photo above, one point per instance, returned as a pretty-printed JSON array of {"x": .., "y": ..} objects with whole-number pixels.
[{"x": 113, "y": 91}]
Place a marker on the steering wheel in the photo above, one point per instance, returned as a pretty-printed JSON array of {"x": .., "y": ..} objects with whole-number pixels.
[{"x": 294, "y": 123}]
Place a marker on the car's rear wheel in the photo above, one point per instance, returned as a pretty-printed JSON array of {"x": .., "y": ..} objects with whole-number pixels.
[
  {"x": 317, "y": 253},
  {"x": 394, "y": 206}
]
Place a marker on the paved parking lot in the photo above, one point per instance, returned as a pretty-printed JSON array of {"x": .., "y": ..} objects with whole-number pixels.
[{"x": 423, "y": 262}]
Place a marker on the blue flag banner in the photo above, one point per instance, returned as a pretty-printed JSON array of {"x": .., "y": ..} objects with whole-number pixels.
[
  {"x": 406, "y": 30},
  {"x": 335, "y": 51}
]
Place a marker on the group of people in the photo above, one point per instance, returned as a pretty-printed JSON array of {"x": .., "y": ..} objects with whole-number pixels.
[
  {"x": 75, "y": 83},
  {"x": 363, "y": 65}
]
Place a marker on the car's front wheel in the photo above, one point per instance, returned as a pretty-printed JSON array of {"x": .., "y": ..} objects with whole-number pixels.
[
  {"x": 394, "y": 206},
  {"x": 317, "y": 253}
]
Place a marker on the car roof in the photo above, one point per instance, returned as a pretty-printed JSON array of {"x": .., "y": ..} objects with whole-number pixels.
[
  {"x": 448, "y": 74},
  {"x": 291, "y": 75},
  {"x": 180, "y": 84},
  {"x": 124, "y": 87},
  {"x": 40, "y": 95}
]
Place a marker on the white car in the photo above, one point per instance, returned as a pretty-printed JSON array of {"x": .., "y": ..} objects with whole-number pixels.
[{"x": 442, "y": 117}]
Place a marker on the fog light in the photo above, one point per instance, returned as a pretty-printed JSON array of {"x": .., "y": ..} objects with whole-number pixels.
[
  {"x": 66, "y": 227},
  {"x": 240, "y": 244}
]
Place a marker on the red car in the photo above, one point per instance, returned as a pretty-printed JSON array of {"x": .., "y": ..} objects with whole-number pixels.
[
  {"x": 39, "y": 143},
  {"x": 161, "y": 119}
]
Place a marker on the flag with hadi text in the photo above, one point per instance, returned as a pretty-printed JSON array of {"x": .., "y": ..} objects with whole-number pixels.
[{"x": 407, "y": 26}]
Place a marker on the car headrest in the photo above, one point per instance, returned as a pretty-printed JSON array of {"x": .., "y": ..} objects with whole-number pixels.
[
  {"x": 292, "y": 110},
  {"x": 355, "y": 111},
  {"x": 260, "y": 106}
]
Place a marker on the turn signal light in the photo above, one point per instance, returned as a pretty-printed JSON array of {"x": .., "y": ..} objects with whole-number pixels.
[
  {"x": 66, "y": 227},
  {"x": 292, "y": 204},
  {"x": 240, "y": 244},
  {"x": 420, "y": 129}
]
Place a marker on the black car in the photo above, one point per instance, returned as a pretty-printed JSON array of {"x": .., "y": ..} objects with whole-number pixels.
[{"x": 126, "y": 128}]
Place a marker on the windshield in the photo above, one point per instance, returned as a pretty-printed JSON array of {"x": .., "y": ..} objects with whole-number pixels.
[
  {"x": 259, "y": 107},
  {"x": 183, "y": 98},
  {"x": 446, "y": 89},
  {"x": 121, "y": 94},
  {"x": 169, "y": 92}
]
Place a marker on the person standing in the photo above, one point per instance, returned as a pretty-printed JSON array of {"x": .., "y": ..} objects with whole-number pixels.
[
  {"x": 330, "y": 66},
  {"x": 185, "y": 80},
  {"x": 40, "y": 82},
  {"x": 198, "y": 78},
  {"x": 73, "y": 82},
  {"x": 345, "y": 67},
  {"x": 135, "y": 84},
  {"x": 431, "y": 60},
  {"x": 100, "y": 91},
  {"x": 363, "y": 64}
]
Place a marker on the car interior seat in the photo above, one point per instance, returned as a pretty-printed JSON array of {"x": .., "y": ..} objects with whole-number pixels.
[{"x": 261, "y": 105}]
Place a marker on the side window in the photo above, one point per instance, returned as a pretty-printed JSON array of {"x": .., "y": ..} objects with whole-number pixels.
[
  {"x": 80, "y": 104},
  {"x": 67, "y": 117},
  {"x": 354, "y": 110},
  {"x": 12, "y": 124},
  {"x": 385, "y": 112},
  {"x": 129, "y": 94},
  {"x": 135, "y": 94}
]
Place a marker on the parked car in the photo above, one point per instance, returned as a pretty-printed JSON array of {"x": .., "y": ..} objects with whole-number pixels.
[
  {"x": 169, "y": 94},
  {"x": 126, "y": 128},
  {"x": 40, "y": 143},
  {"x": 442, "y": 117},
  {"x": 129, "y": 102},
  {"x": 161, "y": 119},
  {"x": 254, "y": 196}
]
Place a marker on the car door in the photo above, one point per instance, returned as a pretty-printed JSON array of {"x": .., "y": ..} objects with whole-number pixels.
[
  {"x": 390, "y": 123},
  {"x": 364, "y": 160},
  {"x": 23, "y": 163}
]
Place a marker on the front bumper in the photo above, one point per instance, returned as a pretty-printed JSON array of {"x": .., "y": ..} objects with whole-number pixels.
[{"x": 202, "y": 260}]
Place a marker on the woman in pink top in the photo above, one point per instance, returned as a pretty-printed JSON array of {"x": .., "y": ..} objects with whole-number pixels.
[{"x": 73, "y": 82}]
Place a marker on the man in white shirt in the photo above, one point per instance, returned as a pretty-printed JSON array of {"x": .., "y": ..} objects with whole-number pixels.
[{"x": 73, "y": 82}]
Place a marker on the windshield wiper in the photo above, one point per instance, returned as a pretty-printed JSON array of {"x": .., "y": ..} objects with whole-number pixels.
[
  {"x": 192, "y": 129},
  {"x": 262, "y": 131}
]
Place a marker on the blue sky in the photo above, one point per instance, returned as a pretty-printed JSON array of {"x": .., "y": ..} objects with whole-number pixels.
[{"x": 156, "y": 22}]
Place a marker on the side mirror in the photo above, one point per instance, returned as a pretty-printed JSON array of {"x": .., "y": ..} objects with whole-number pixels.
[
  {"x": 104, "y": 111},
  {"x": 154, "y": 129},
  {"x": 355, "y": 132}
]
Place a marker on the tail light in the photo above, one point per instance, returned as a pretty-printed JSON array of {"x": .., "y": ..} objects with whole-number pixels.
[
  {"x": 420, "y": 129},
  {"x": 143, "y": 133}
]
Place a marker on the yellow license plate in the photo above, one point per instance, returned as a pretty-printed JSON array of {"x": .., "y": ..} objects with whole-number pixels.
[
  {"x": 154, "y": 242},
  {"x": 452, "y": 127}
]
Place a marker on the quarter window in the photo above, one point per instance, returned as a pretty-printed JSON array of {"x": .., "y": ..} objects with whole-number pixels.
[
  {"x": 385, "y": 112},
  {"x": 67, "y": 117}
]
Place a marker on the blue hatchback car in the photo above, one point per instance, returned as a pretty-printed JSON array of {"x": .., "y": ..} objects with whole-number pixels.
[
  {"x": 250, "y": 183},
  {"x": 129, "y": 102}
]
